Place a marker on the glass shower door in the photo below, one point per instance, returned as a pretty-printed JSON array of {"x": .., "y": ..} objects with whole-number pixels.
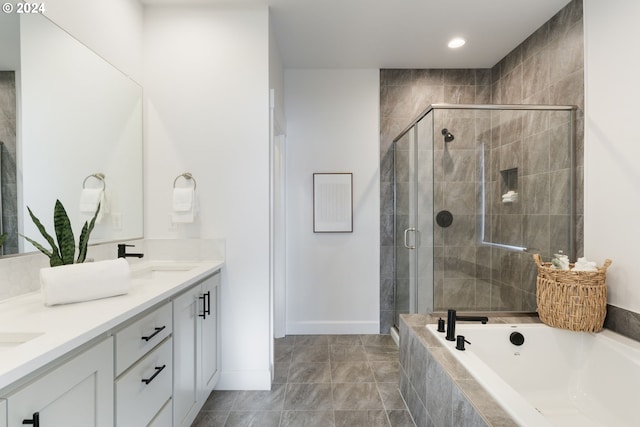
[
  {"x": 424, "y": 215},
  {"x": 404, "y": 226}
]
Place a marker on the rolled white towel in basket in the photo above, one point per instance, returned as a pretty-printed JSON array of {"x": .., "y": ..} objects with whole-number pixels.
[{"x": 84, "y": 282}]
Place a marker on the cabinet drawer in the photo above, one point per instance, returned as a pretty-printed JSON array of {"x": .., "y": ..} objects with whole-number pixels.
[
  {"x": 138, "y": 338},
  {"x": 164, "y": 417},
  {"x": 143, "y": 390}
]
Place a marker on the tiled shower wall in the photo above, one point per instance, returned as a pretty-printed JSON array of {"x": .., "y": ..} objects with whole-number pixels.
[
  {"x": 8, "y": 183},
  {"x": 547, "y": 68}
]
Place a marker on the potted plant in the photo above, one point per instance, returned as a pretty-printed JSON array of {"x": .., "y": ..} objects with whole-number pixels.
[{"x": 63, "y": 248}]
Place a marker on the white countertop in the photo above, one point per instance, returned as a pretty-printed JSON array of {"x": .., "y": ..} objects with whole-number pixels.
[{"x": 64, "y": 328}]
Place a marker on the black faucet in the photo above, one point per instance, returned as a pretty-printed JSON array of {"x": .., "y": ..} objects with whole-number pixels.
[
  {"x": 122, "y": 251},
  {"x": 451, "y": 322}
]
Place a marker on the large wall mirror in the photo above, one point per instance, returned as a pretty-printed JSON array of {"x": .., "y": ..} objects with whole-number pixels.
[{"x": 70, "y": 123}]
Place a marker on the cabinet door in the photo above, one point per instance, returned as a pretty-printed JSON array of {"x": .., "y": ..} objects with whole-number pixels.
[
  {"x": 186, "y": 309},
  {"x": 210, "y": 336},
  {"x": 3, "y": 413},
  {"x": 77, "y": 393}
]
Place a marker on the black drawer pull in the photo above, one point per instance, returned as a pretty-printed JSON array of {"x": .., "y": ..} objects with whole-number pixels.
[
  {"x": 157, "y": 331},
  {"x": 155, "y": 374},
  {"x": 204, "y": 306},
  {"x": 35, "y": 421},
  {"x": 208, "y": 300}
]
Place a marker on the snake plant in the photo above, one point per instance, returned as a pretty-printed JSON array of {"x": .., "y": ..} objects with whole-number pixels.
[
  {"x": 3, "y": 238},
  {"x": 63, "y": 248}
]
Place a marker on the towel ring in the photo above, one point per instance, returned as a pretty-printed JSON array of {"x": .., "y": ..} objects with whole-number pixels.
[
  {"x": 186, "y": 176},
  {"x": 99, "y": 176}
]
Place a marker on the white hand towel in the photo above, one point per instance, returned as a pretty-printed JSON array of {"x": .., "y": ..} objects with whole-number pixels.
[
  {"x": 183, "y": 199},
  {"x": 84, "y": 282},
  {"x": 184, "y": 205},
  {"x": 89, "y": 200}
]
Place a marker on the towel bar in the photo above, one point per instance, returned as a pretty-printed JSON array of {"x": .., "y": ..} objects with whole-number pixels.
[
  {"x": 99, "y": 176},
  {"x": 186, "y": 176}
]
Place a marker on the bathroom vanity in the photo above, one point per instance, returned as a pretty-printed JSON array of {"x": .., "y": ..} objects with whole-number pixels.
[{"x": 150, "y": 357}]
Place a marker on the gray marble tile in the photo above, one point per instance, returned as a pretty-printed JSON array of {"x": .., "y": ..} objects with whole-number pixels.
[
  {"x": 400, "y": 418},
  {"x": 253, "y": 419},
  {"x": 464, "y": 414},
  {"x": 310, "y": 353},
  {"x": 281, "y": 371},
  {"x": 282, "y": 353},
  {"x": 428, "y": 77},
  {"x": 306, "y": 340},
  {"x": 345, "y": 339},
  {"x": 378, "y": 339},
  {"x": 381, "y": 353},
  {"x": 347, "y": 353},
  {"x": 386, "y": 372},
  {"x": 351, "y": 372},
  {"x": 623, "y": 321},
  {"x": 486, "y": 405},
  {"x": 356, "y": 396},
  {"x": 391, "y": 397},
  {"x": 260, "y": 400},
  {"x": 308, "y": 397},
  {"x": 211, "y": 419},
  {"x": 439, "y": 386},
  {"x": 361, "y": 419},
  {"x": 309, "y": 372},
  {"x": 220, "y": 400},
  {"x": 396, "y": 77},
  {"x": 307, "y": 419},
  {"x": 288, "y": 340}
]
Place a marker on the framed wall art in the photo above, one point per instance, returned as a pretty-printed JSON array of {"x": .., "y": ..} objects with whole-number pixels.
[{"x": 332, "y": 202}]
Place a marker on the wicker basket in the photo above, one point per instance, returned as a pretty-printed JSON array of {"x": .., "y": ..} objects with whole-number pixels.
[{"x": 574, "y": 300}]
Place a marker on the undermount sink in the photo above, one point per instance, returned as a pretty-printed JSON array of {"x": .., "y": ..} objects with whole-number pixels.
[
  {"x": 161, "y": 270},
  {"x": 14, "y": 339}
]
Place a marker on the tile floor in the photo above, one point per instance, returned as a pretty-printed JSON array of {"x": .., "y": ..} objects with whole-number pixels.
[{"x": 320, "y": 381}]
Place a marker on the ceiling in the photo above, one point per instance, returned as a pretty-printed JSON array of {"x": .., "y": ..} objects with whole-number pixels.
[{"x": 396, "y": 33}]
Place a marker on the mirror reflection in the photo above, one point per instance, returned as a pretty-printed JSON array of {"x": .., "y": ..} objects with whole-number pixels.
[{"x": 71, "y": 129}]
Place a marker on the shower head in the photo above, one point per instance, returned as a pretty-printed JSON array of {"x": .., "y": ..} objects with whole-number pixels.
[{"x": 448, "y": 136}]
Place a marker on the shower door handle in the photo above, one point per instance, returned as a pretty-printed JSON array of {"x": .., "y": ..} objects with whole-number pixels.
[{"x": 406, "y": 232}]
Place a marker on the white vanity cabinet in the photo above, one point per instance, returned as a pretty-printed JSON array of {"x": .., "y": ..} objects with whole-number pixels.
[
  {"x": 3, "y": 413},
  {"x": 77, "y": 393},
  {"x": 196, "y": 316},
  {"x": 144, "y": 366}
]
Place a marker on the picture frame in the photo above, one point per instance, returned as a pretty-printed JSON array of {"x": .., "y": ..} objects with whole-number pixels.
[{"x": 333, "y": 202}]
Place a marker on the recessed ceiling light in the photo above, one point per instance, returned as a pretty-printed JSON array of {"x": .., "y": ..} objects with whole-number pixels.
[{"x": 456, "y": 42}]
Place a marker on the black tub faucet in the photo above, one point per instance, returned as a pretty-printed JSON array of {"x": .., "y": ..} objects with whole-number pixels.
[
  {"x": 122, "y": 251},
  {"x": 451, "y": 322}
]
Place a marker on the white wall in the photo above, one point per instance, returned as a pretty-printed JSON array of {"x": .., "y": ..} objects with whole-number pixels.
[
  {"x": 612, "y": 144},
  {"x": 206, "y": 74},
  {"x": 333, "y": 279},
  {"x": 113, "y": 29}
]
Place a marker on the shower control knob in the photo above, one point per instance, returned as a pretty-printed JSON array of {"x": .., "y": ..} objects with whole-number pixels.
[{"x": 444, "y": 219}]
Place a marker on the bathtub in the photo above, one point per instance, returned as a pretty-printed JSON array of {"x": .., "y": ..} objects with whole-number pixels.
[{"x": 556, "y": 377}]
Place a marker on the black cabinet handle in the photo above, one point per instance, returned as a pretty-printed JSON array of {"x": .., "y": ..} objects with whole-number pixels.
[
  {"x": 204, "y": 306},
  {"x": 35, "y": 421},
  {"x": 155, "y": 374},
  {"x": 157, "y": 331},
  {"x": 208, "y": 309}
]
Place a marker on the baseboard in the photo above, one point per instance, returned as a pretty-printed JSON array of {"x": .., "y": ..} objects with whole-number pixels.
[
  {"x": 244, "y": 380},
  {"x": 333, "y": 328}
]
